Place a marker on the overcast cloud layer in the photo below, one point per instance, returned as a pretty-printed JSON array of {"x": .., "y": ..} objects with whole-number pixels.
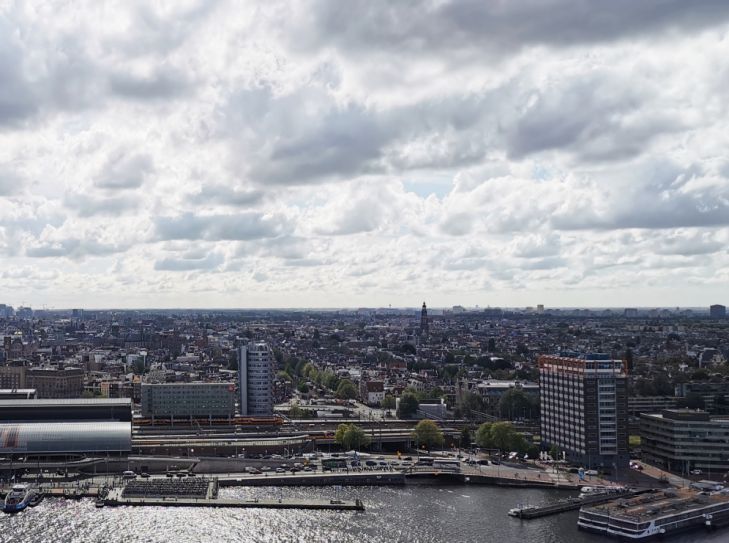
[{"x": 360, "y": 153}]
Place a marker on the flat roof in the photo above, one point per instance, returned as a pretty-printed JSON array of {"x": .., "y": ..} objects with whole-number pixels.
[
  {"x": 80, "y": 402},
  {"x": 65, "y": 437}
]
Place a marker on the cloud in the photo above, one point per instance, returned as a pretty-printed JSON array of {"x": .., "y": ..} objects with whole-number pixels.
[
  {"x": 223, "y": 195},
  {"x": 125, "y": 170},
  {"x": 240, "y": 226},
  {"x": 162, "y": 84},
  {"x": 494, "y": 29},
  {"x": 90, "y": 206},
  {"x": 10, "y": 182},
  {"x": 73, "y": 248},
  {"x": 206, "y": 263}
]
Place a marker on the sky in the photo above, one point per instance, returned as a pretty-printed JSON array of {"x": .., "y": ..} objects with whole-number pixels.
[{"x": 364, "y": 153}]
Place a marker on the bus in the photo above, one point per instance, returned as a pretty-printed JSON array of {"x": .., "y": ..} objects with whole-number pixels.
[{"x": 447, "y": 465}]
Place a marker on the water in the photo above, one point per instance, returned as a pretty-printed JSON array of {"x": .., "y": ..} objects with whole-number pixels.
[{"x": 413, "y": 514}]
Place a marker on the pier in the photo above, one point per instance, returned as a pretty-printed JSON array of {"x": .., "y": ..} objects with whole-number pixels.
[
  {"x": 570, "y": 504},
  {"x": 115, "y": 499}
]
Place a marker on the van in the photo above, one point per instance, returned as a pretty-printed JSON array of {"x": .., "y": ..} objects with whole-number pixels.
[{"x": 129, "y": 475}]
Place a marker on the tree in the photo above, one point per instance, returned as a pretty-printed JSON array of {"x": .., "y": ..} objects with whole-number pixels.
[
  {"x": 471, "y": 404},
  {"x": 303, "y": 388},
  {"x": 693, "y": 400},
  {"x": 492, "y": 345},
  {"x": 346, "y": 390},
  {"x": 483, "y": 436},
  {"x": 87, "y": 394},
  {"x": 138, "y": 366},
  {"x": 388, "y": 402},
  {"x": 514, "y": 403},
  {"x": 501, "y": 434},
  {"x": 465, "y": 437},
  {"x": 408, "y": 405},
  {"x": 427, "y": 433},
  {"x": 351, "y": 436}
]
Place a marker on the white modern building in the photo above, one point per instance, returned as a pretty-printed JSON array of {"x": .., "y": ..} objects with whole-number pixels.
[{"x": 255, "y": 379}]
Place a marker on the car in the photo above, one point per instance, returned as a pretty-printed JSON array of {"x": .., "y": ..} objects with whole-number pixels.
[
  {"x": 407, "y": 463},
  {"x": 145, "y": 475},
  {"x": 380, "y": 458},
  {"x": 182, "y": 474},
  {"x": 308, "y": 468},
  {"x": 408, "y": 458},
  {"x": 382, "y": 463},
  {"x": 696, "y": 472},
  {"x": 169, "y": 474},
  {"x": 280, "y": 470},
  {"x": 370, "y": 463},
  {"x": 592, "y": 472},
  {"x": 266, "y": 468},
  {"x": 191, "y": 474}
]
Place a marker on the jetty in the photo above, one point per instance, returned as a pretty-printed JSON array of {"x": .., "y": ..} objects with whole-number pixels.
[{"x": 529, "y": 512}]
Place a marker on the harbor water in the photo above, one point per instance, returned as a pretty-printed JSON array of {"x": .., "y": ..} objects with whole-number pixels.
[{"x": 414, "y": 513}]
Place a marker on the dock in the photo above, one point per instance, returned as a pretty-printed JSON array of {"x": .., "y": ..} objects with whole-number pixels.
[
  {"x": 284, "y": 503},
  {"x": 196, "y": 492},
  {"x": 570, "y": 504}
]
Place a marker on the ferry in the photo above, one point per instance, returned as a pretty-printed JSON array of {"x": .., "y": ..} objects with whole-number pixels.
[
  {"x": 18, "y": 498},
  {"x": 586, "y": 491},
  {"x": 656, "y": 514}
]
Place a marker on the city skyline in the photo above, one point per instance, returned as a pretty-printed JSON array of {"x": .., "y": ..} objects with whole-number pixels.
[{"x": 198, "y": 155}]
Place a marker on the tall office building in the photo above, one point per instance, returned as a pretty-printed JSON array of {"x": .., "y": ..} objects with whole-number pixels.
[
  {"x": 584, "y": 408},
  {"x": 255, "y": 379},
  {"x": 717, "y": 311}
]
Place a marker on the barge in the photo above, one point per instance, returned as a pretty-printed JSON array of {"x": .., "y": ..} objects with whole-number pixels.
[{"x": 656, "y": 513}]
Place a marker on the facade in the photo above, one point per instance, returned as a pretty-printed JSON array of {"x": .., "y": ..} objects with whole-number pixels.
[
  {"x": 372, "y": 392},
  {"x": 682, "y": 440},
  {"x": 82, "y": 409},
  {"x": 491, "y": 390},
  {"x": 717, "y": 311},
  {"x": 255, "y": 379},
  {"x": 56, "y": 383},
  {"x": 638, "y": 405},
  {"x": 183, "y": 400},
  {"x": 584, "y": 408},
  {"x": 13, "y": 376}
]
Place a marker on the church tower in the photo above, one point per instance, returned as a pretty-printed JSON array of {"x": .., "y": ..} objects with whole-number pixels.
[{"x": 424, "y": 320}]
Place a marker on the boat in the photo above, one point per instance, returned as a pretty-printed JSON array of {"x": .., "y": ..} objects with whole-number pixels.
[
  {"x": 35, "y": 498},
  {"x": 587, "y": 491},
  {"x": 655, "y": 514},
  {"x": 18, "y": 498}
]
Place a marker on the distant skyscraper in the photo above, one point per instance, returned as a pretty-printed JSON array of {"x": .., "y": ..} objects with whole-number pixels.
[
  {"x": 255, "y": 379},
  {"x": 717, "y": 311},
  {"x": 424, "y": 320},
  {"x": 584, "y": 408}
]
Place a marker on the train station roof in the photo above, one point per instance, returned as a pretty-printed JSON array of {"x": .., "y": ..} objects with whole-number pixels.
[{"x": 54, "y": 438}]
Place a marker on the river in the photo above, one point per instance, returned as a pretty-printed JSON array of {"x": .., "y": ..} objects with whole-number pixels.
[{"x": 413, "y": 514}]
